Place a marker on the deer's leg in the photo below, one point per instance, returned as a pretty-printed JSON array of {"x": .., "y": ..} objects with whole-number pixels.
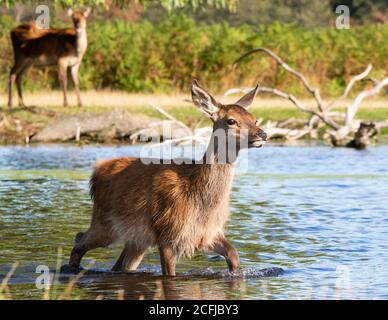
[
  {"x": 12, "y": 78},
  {"x": 74, "y": 74},
  {"x": 62, "y": 74},
  {"x": 11, "y": 81},
  {"x": 167, "y": 260},
  {"x": 86, "y": 241},
  {"x": 19, "y": 83},
  {"x": 224, "y": 248},
  {"x": 130, "y": 258}
]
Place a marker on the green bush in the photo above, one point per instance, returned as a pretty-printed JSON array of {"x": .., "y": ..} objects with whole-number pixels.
[{"x": 146, "y": 57}]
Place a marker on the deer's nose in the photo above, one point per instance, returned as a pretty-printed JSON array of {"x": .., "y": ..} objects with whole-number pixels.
[{"x": 261, "y": 135}]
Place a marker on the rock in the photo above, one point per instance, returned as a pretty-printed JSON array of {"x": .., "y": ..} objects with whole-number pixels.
[{"x": 103, "y": 126}]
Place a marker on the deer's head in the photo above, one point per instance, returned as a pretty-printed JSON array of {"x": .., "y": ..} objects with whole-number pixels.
[
  {"x": 79, "y": 18},
  {"x": 234, "y": 118}
]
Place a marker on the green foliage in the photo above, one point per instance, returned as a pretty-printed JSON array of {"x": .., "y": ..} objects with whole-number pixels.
[
  {"x": 308, "y": 13},
  {"x": 165, "y": 56},
  {"x": 105, "y": 4}
]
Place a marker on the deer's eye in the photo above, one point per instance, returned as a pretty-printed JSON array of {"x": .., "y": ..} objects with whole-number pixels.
[{"x": 231, "y": 122}]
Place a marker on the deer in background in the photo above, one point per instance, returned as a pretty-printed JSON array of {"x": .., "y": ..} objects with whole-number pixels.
[
  {"x": 65, "y": 48},
  {"x": 179, "y": 208}
]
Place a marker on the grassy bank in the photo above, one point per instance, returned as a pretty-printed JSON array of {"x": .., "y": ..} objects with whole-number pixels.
[
  {"x": 18, "y": 123},
  {"x": 163, "y": 57}
]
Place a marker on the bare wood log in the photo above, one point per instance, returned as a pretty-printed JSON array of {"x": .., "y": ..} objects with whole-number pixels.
[
  {"x": 373, "y": 80},
  {"x": 170, "y": 117},
  {"x": 273, "y": 130},
  {"x": 350, "y": 86},
  {"x": 381, "y": 124},
  {"x": 289, "y": 97},
  {"x": 322, "y": 112},
  {"x": 313, "y": 91},
  {"x": 281, "y": 63},
  {"x": 292, "y": 122},
  {"x": 200, "y": 135},
  {"x": 353, "y": 107},
  {"x": 362, "y": 136},
  {"x": 350, "y": 124}
]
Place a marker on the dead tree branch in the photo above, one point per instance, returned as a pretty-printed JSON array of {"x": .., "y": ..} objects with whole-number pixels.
[
  {"x": 339, "y": 131},
  {"x": 170, "y": 117},
  {"x": 313, "y": 91},
  {"x": 350, "y": 86},
  {"x": 353, "y": 107}
]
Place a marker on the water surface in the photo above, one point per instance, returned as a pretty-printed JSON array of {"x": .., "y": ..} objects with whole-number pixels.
[{"x": 317, "y": 212}]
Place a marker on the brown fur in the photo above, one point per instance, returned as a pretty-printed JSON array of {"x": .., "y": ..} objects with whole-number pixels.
[
  {"x": 179, "y": 208},
  {"x": 30, "y": 41},
  {"x": 169, "y": 199},
  {"x": 33, "y": 46}
]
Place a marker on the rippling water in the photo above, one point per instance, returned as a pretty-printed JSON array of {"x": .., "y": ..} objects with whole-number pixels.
[{"x": 319, "y": 213}]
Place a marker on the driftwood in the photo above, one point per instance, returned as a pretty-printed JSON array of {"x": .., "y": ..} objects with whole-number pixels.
[
  {"x": 187, "y": 136},
  {"x": 122, "y": 126},
  {"x": 103, "y": 127},
  {"x": 341, "y": 127},
  {"x": 362, "y": 136}
]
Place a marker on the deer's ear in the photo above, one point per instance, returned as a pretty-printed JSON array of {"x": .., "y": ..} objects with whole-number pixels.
[
  {"x": 247, "y": 100},
  {"x": 70, "y": 12},
  {"x": 203, "y": 100},
  {"x": 87, "y": 12}
]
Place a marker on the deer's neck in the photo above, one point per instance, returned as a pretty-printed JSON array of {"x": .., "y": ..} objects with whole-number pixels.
[
  {"x": 220, "y": 150},
  {"x": 212, "y": 184},
  {"x": 214, "y": 177},
  {"x": 82, "y": 41}
]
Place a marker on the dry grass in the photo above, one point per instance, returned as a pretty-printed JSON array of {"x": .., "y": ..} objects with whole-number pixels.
[
  {"x": 50, "y": 292},
  {"x": 122, "y": 99},
  {"x": 18, "y": 123}
]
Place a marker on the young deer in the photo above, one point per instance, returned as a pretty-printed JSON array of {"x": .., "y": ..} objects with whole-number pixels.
[
  {"x": 179, "y": 208},
  {"x": 33, "y": 46}
]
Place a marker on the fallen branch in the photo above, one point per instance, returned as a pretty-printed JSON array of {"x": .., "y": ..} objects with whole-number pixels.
[
  {"x": 274, "y": 131},
  {"x": 353, "y": 107},
  {"x": 200, "y": 135},
  {"x": 313, "y": 91},
  {"x": 339, "y": 131},
  {"x": 169, "y": 116},
  {"x": 381, "y": 124},
  {"x": 281, "y": 63},
  {"x": 350, "y": 86}
]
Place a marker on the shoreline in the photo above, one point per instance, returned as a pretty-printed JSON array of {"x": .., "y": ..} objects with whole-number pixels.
[{"x": 19, "y": 125}]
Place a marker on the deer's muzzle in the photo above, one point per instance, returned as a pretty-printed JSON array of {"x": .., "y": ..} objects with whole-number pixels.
[{"x": 258, "y": 139}]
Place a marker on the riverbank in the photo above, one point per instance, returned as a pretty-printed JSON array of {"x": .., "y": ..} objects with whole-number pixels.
[{"x": 18, "y": 125}]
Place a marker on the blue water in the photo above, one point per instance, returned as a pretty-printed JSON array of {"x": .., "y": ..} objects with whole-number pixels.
[{"x": 319, "y": 213}]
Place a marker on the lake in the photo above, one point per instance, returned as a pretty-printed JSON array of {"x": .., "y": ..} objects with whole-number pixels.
[{"x": 319, "y": 213}]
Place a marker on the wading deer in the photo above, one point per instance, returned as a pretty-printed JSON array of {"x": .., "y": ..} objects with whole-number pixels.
[
  {"x": 180, "y": 208},
  {"x": 65, "y": 48}
]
